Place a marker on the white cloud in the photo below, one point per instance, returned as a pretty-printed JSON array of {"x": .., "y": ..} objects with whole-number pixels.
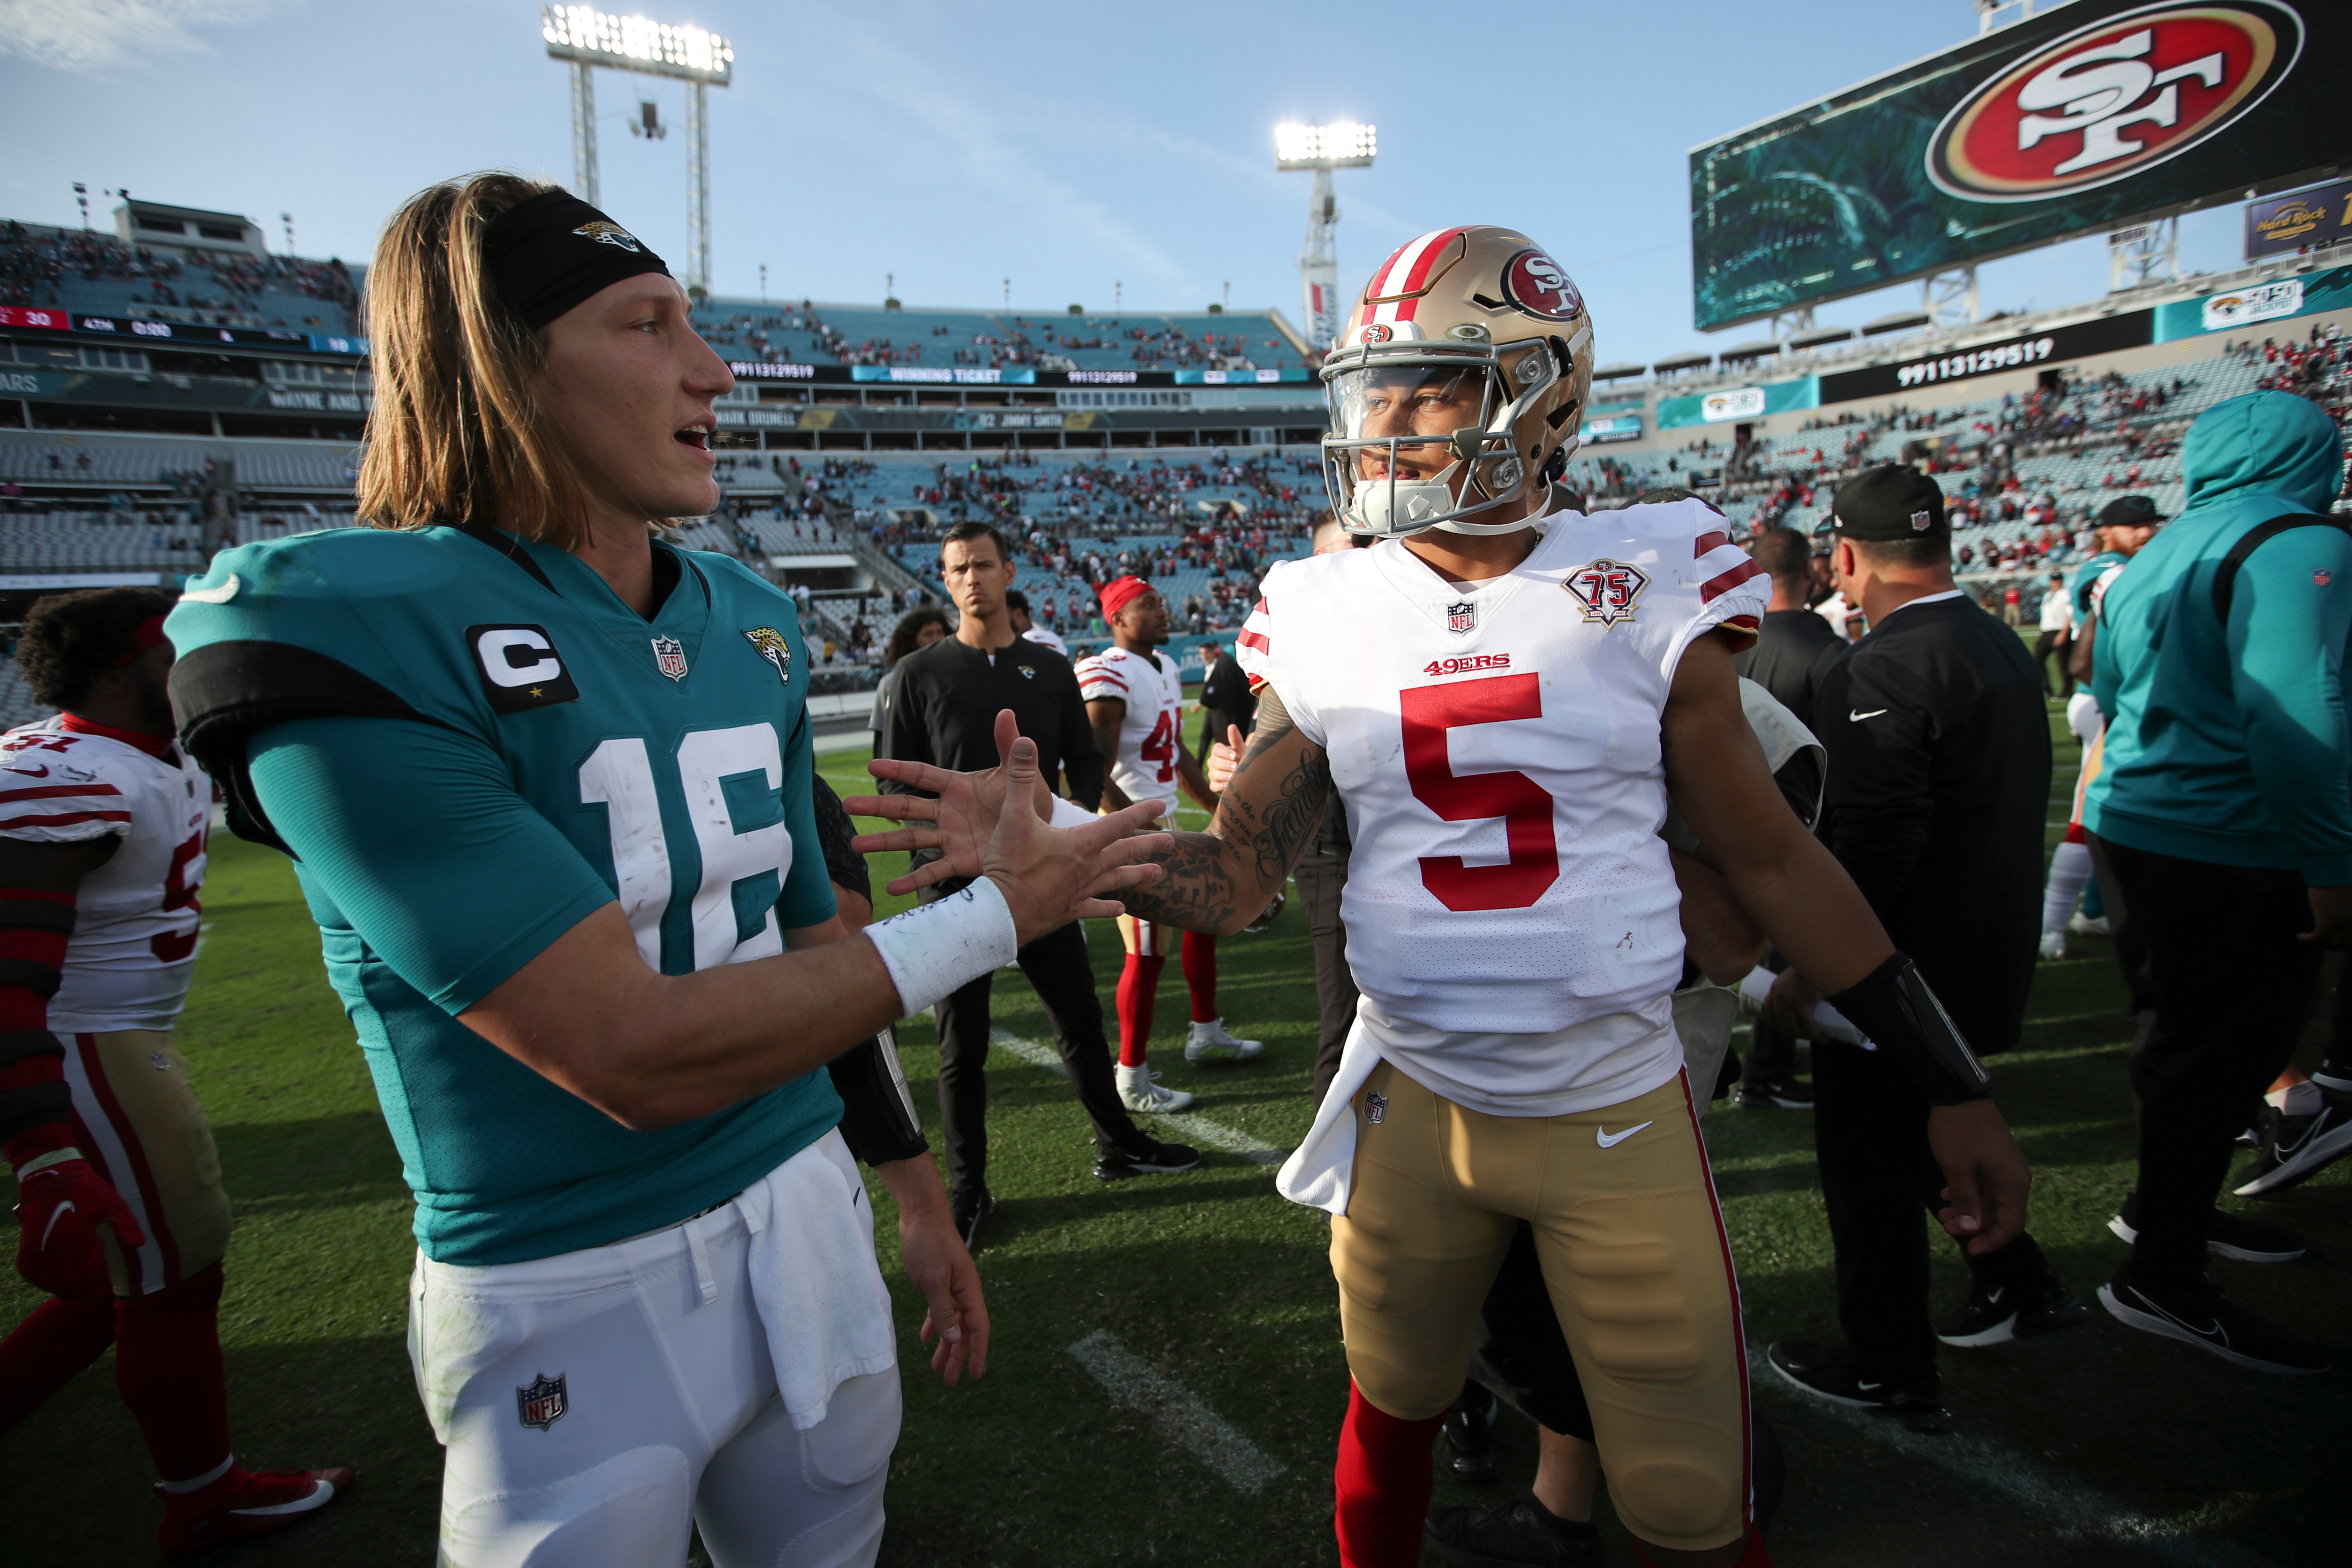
[{"x": 89, "y": 37}]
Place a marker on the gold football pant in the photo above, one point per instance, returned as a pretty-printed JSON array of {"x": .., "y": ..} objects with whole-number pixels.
[
  {"x": 137, "y": 1123},
  {"x": 1633, "y": 1252}
]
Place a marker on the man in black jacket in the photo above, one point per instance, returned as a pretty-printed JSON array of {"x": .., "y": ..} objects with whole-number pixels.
[
  {"x": 943, "y": 711},
  {"x": 1938, "y": 745},
  {"x": 1794, "y": 649}
]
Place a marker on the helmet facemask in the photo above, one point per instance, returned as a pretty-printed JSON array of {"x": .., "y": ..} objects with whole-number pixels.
[{"x": 1421, "y": 433}]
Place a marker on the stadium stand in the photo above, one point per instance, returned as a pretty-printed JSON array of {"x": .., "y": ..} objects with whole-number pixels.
[
  {"x": 87, "y": 272},
  {"x": 853, "y": 335}
]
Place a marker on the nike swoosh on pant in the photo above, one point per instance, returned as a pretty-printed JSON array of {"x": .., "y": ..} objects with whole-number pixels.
[
  {"x": 1854, "y": 718},
  {"x": 1610, "y": 1141}
]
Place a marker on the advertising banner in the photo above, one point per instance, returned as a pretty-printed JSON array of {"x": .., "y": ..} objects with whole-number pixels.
[
  {"x": 1604, "y": 428},
  {"x": 2239, "y": 309},
  {"x": 2105, "y": 334},
  {"x": 1740, "y": 402},
  {"x": 2285, "y": 225},
  {"x": 56, "y": 320},
  {"x": 2079, "y": 119}
]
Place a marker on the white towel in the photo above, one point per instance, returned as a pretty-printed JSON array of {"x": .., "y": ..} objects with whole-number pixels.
[
  {"x": 819, "y": 1290},
  {"x": 1321, "y": 1172}
]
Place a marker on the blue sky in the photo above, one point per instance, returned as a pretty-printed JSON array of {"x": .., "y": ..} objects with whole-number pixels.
[{"x": 1072, "y": 148}]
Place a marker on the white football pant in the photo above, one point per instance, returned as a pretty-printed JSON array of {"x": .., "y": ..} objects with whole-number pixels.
[{"x": 666, "y": 1411}]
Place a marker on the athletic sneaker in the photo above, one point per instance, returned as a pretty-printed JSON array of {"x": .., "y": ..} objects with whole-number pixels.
[
  {"x": 1470, "y": 1433},
  {"x": 1832, "y": 1372},
  {"x": 1781, "y": 1091},
  {"x": 2053, "y": 944},
  {"x": 969, "y": 1208},
  {"x": 2196, "y": 1314},
  {"x": 243, "y": 1504},
  {"x": 2227, "y": 1236},
  {"x": 1144, "y": 1157},
  {"x": 2080, "y": 926},
  {"x": 1138, "y": 1090},
  {"x": 2292, "y": 1147},
  {"x": 1211, "y": 1042},
  {"x": 1996, "y": 1314},
  {"x": 2335, "y": 1073},
  {"x": 1516, "y": 1530}
]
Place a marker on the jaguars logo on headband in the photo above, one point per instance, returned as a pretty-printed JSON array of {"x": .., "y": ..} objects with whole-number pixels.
[
  {"x": 773, "y": 648},
  {"x": 603, "y": 231}
]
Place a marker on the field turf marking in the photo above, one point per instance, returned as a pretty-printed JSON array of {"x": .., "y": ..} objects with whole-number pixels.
[
  {"x": 1180, "y": 1417},
  {"x": 2073, "y": 1505},
  {"x": 1201, "y": 1129}
]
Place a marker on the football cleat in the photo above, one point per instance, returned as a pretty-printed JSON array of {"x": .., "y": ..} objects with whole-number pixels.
[
  {"x": 1780, "y": 1091},
  {"x": 1515, "y": 1531},
  {"x": 243, "y": 1504},
  {"x": 2335, "y": 1073},
  {"x": 2081, "y": 925},
  {"x": 1138, "y": 1090},
  {"x": 1213, "y": 1042},
  {"x": 1470, "y": 1433},
  {"x": 2196, "y": 1314},
  {"x": 2053, "y": 944},
  {"x": 2292, "y": 1147}
]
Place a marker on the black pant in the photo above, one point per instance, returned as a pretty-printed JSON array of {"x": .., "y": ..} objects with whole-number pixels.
[
  {"x": 1770, "y": 1054},
  {"x": 1059, "y": 970},
  {"x": 1870, "y": 1135},
  {"x": 1320, "y": 877},
  {"x": 2051, "y": 648},
  {"x": 2212, "y": 950}
]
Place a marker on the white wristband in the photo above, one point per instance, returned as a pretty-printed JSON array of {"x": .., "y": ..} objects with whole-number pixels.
[
  {"x": 1068, "y": 814},
  {"x": 936, "y": 948}
]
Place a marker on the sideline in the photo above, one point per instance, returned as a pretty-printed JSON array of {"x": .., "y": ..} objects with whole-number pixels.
[
  {"x": 1198, "y": 1128},
  {"x": 1180, "y": 1417}
]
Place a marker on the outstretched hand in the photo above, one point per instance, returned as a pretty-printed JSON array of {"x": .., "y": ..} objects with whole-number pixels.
[
  {"x": 1986, "y": 1172},
  {"x": 993, "y": 824}
]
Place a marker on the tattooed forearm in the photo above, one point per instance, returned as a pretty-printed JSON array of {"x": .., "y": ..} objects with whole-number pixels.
[
  {"x": 1200, "y": 891},
  {"x": 1273, "y": 826}
]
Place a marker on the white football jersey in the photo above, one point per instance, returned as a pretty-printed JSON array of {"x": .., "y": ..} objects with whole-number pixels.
[
  {"x": 1512, "y": 916},
  {"x": 1153, "y": 690},
  {"x": 1044, "y": 639},
  {"x": 136, "y": 917}
]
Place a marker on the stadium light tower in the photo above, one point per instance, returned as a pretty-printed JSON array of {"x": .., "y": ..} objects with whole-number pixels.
[
  {"x": 588, "y": 37},
  {"x": 1322, "y": 148}
]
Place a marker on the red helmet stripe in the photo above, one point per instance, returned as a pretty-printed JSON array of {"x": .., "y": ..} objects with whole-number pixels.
[{"x": 1406, "y": 271}]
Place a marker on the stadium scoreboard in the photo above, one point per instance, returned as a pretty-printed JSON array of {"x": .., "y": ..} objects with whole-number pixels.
[{"x": 2080, "y": 119}]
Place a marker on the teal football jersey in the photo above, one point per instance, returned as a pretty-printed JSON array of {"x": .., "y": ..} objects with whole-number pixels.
[{"x": 471, "y": 743}]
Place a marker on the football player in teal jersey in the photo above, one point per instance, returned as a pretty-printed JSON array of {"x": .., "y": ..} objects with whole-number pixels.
[{"x": 546, "y": 780}]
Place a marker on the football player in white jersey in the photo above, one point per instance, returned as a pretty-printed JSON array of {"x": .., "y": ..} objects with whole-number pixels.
[
  {"x": 1506, "y": 698},
  {"x": 123, "y": 1221},
  {"x": 1016, "y": 604},
  {"x": 1135, "y": 699}
]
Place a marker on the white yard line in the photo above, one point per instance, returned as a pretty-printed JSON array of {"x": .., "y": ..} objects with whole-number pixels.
[
  {"x": 1980, "y": 1460},
  {"x": 1180, "y": 1418},
  {"x": 1198, "y": 1128}
]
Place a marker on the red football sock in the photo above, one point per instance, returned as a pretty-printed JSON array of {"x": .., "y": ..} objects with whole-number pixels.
[
  {"x": 1139, "y": 987},
  {"x": 1383, "y": 1483},
  {"x": 47, "y": 1350},
  {"x": 1201, "y": 975},
  {"x": 167, "y": 1367}
]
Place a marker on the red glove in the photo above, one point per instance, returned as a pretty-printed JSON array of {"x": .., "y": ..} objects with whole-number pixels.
[{"x": 60, "y": 1205}]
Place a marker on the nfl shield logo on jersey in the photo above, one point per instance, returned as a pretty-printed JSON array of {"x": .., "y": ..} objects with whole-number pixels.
[
  {"x": 542, "y": 1401},
  {"x": 669, "y": 656},
  {"x": 1376, "y": 1107},
  {"x": 1609, "y": 590},
  {"x": 1462, "y": 617}
]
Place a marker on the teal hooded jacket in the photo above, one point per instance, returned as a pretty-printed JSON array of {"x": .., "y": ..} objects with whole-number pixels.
[{"x": 2229, "y": 744}]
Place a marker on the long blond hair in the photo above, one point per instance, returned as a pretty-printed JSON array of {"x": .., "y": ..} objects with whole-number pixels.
[{"x": 455, "y": 434}]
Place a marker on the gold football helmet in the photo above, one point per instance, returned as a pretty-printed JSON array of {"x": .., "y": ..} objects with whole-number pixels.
[{"x": 1459, "y": 386}]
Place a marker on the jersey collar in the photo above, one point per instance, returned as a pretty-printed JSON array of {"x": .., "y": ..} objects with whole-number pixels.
[{"x": 153, "y": 745}]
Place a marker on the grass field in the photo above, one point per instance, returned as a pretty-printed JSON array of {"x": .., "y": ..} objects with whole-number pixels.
[{"x": 2099, "y": 1446}]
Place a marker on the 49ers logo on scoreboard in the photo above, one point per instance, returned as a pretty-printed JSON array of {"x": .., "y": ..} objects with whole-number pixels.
[
  {"x": 2110, "y": 99},
  {"x": 1610, "y": 590},
  {"x": 1539, "y": 286}
]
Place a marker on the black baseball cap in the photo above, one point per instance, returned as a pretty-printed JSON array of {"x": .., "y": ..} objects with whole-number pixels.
[
  {"x": 2129, "y": 511},
  {"x": 1891, "y": 501}
]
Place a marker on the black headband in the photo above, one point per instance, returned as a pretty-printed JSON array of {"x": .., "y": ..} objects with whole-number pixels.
[{"x": 549, "y": 253}]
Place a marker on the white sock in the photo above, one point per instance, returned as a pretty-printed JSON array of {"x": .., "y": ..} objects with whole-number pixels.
[
  {"x": 2070, "y": 872},
  {"x": 2297, "y": 1098},
  {"x": 200, "y": 1482}
]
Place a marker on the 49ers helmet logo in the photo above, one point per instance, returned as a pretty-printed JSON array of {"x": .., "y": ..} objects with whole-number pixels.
[
  {"x": 2114, "y": 97},
  {"x": 1539, "y": 286}
]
